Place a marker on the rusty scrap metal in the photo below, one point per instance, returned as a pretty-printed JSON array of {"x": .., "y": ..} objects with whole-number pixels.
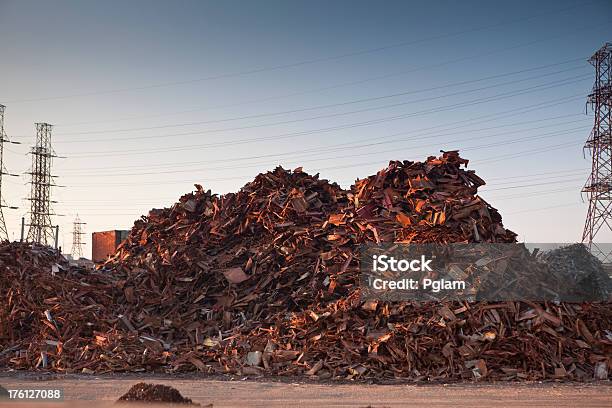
[{"x": 265, "y": 282}]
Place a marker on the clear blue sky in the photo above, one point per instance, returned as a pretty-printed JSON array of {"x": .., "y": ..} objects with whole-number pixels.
[{"x": 502, "y": 81}]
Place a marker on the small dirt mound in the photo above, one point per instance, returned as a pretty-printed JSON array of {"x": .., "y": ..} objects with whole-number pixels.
[{"x": 143, "y": 392}]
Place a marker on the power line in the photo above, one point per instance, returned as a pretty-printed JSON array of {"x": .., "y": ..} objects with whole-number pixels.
[
  {"x": 565, "y": 179},
  {"x": 350, "y": 102},
  {"x": 505, "y": 213},
  {"x": 358, "y": 146},
  {"x": 567, "y": 176},
  {"x": 473, "y": 102},
  {"x": 436, "y": 129},
  {"x": 332, "y": 115},
  {"x": 480, "y": 193},
  {"x": 89, "y": 140},
  {"x": 369, "y": 153},
  {"x": 299, "y": 93},
  {"x": 513, "y": 187},
  {"x": 559, "y": 173},
  {"x": 535, "y": 194},
  {"x": 304, "y": 62},
  {"x": 496, "y": 159},
  {"x": 543, "y": 208},
  {"x": 493, "y": 160}
]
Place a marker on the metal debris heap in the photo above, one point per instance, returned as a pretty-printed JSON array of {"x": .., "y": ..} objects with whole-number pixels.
[
  {"x": 155, "y": 393},
  {"x": 265, "y": 281}
]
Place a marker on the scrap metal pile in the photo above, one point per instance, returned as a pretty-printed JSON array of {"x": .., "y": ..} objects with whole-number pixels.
[
  {"x": 155, "y": 393},
  {"x": 266, "y": 281}
]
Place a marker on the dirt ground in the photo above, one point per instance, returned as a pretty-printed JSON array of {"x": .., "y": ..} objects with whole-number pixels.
[{"x": 102, "y": 391}]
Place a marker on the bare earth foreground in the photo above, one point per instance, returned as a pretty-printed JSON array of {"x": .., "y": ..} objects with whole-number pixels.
[{"x": 103, "y": 391}]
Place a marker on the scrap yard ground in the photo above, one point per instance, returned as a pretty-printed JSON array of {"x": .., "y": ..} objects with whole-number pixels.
[{"x": 102, "y": 391}]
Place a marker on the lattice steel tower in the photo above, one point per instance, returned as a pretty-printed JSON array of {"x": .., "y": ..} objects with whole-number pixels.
[
  {"x": 77, "y": 241},
  {"x": 41, "y": 228},
  {"x": 3, "y": 139},
  {"x": 599, "y": 184}
]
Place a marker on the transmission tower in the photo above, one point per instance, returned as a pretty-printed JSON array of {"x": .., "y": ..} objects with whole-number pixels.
[
  {"x": 3, "y": 139},
  {"x": 41, "y": 229},
  {"x": 599, "y": 184},
  {"x": 77, "y": 242}
]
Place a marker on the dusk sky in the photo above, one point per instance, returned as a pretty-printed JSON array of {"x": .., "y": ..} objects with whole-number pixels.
[{"x": 149, "y": 97}]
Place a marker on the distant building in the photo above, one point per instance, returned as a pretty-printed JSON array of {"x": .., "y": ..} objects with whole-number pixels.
[
  {"x": 81, "y": 262},
  {"x": 105, "y": 243}
]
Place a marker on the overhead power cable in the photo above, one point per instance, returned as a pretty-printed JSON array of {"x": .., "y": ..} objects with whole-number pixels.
[
  {"x": 136, "y": 214},
  {"x": 493, "y": 160},
  {"x": 361, "y": 164},
  {"x": 171, "y": 200},
  {"x": 120, "y": 204},
  {"x": 543, "y": 208},
  {"x": 122, "y": 207},
  {"x": 304, "y": 62},
  {"x": 436, "y": 129},
  {"x": 323, "y": 107},
  {"x": 556, "y": 172},
  {"x": 538, "y": 193},
  {"x": 301, "y": 157},
  {"x": 501, "y": 96},
  {"x": 359, "y": 146}
]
